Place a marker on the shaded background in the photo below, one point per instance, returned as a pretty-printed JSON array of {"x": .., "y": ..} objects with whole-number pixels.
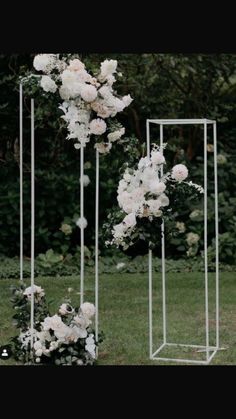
[{"x": 163, "y": 86}]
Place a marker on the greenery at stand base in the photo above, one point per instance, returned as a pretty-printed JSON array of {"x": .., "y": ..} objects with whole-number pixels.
[
  {"x": 163, "y": 86},
  {"x": 113, "y": 264}
]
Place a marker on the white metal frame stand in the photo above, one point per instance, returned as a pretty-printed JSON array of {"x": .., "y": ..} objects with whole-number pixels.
[
  {"x": 210, "y": 350},
  {"x": 33, "y": 215}
]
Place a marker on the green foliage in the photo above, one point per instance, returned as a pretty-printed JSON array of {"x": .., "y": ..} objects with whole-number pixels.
[{"x": 163, "y": 86}]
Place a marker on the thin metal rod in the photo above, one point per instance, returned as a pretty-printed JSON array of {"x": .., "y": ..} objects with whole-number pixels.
[
  {"x": 82, "y": 226},
  {"x": 190, "y": 346},
  {"x": 163, "y": 254},
  {"x": 217, "y": 235},
  {"x": 96, "y": 242},
  {"x": 150, "y": 300},
  {"x": 21, "y": 180},
  {"x": 148, "y": 137},
  {"x": 32, "y": 225},
  {"x": 187, "y": 361},
  {"x": 149, "y": 260},
  {"x": 205, "y": 241},
  {"x": 158, "y": 350}
]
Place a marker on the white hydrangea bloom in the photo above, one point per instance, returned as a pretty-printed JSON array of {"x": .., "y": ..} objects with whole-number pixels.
[
  {"x": 48, "y": 84},
  {"x": 82, "y": 223},
  {"x": 45, "y": 62}
]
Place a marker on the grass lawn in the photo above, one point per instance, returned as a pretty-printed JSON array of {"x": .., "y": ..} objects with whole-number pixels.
[{"x": 123, "y": 311}]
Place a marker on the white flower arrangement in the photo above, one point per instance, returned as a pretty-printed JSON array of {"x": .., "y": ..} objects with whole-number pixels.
[
  {"x": 65, "y": 338},
  {"x": 143, "y": 194},
  {"x": 88, "y": 102}
]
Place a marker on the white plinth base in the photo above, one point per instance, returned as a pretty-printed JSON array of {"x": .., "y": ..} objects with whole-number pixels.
[{"x": 201, "y": 348}]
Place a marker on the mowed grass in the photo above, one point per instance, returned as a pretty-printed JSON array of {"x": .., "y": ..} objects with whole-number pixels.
[{"x": 123, "y": 314}]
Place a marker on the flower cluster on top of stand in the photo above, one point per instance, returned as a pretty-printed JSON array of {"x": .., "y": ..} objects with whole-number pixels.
[
  {"x": 90, "y": 102},
  {"x": 64, "y": 338},
  {"x": 146, "y": 195}
]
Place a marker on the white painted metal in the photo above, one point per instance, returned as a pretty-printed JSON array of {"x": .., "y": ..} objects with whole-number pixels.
[
  {"x": 96, "y": 242},
  {"x": 150, "y": 300},
  {"x": 32, "y": 225},
  {"x": 21, "y": 179},
  {"x": 180, "y": 121},
  {"x": 82, "y": 222},
  {"x": 206, "y": 348},
  {"x": 205, "y": 240},
  {"x": 163, "y": 270},
  {"x": 33, "y": 215},
  {"x": 216, "y": 234}
]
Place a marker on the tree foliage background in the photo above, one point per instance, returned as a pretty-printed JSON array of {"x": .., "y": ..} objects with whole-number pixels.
[{"x": 163, "y": 86}]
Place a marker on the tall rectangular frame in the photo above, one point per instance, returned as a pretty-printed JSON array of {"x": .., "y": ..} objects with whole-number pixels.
[
  {"x": 210, "y": 350},
  {"x": 32, "y": 259}
]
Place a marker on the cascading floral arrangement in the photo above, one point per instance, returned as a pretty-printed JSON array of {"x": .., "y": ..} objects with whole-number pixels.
[
  {"x": 146, "y": 199},
  {"x": 90, "y": 102},
  {"x": 64, "y": 338}
]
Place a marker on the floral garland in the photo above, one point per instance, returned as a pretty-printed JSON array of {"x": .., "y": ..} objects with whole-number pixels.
[
  {"x": 145, "y": 196},
  {"x": 89, "y": 102},
  {"x": 65, "y": 338}
]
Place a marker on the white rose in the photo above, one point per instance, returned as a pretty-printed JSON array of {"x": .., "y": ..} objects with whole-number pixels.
[
  {"x": 105, "y": 91},
  {"x": 179, "y": 172},
  {"x": 53, "y": 322},
  {"x": 192, "y": 238},
  {"x": 108, "y": 67},
  {"x": 82, "y": 321},
  {"x": 157, "y": 187},
  {"x": 101, "y": 110},
  {"x": 48, "y": 84},
  {"x": 127, "y": 100},
  {"x": 37, "y": 291},
  {"x": 130, "y": 220},
  {"x": 76, "y": 333},
  {"x": 157, "y": 157},
  {"x": 180, "y": 226},
  {"x": 97, "y": 126},
  {"x": 103, "y": 148},
  {"x": 164, "y": 200},
  {"x": 88, "y": 93},
  {"x": 118, "y": 105},
  {"x": 143, "y": 162},
  {"x": 116, "y": 135},
  {"x": 65, "y": 309},
  {"x": 88, "y": 309},
  {"x": 110, "y": 79}
]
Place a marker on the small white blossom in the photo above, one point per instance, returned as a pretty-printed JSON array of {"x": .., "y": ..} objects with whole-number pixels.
[
  {"x": 120, "y": 265},
  {"x": 86, "y": 180},
  {"x": 82, "y": 223},
  {"x": 192, "y": 238}
]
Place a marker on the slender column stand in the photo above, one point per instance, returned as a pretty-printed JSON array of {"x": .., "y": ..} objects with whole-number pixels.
[
  {"x": 33, "y": 216},
  {"x": 210, "y": 350}
]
